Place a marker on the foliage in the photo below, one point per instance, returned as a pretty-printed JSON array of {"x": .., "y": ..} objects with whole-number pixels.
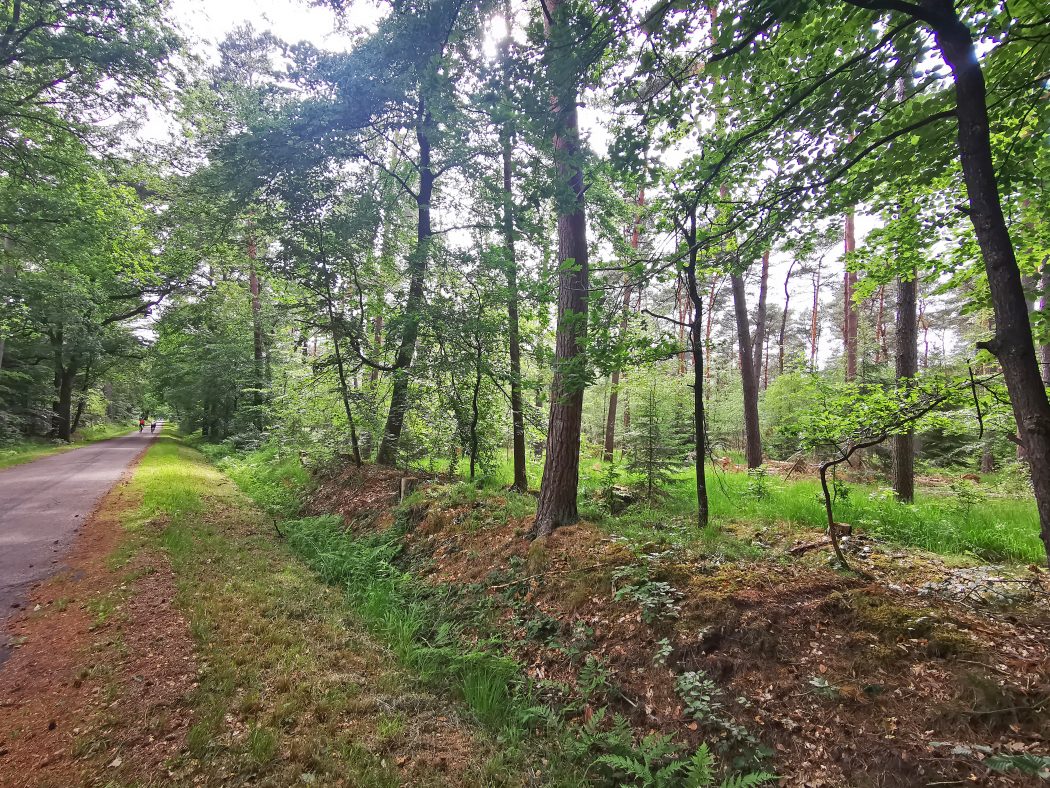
[{"x": 658, "y": 600}]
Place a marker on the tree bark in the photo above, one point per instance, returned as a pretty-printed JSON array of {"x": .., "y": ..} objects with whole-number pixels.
[
  {"x": 752, "y": 435},
  {"x": 257, "y": 332},
  {"x": 784, "y": 317},
  {"x": 697, "y": 347},
  {"x": 517, "y": 412},
  {"x": 907, "y": 366},
  {"x": 558, "y": 490},
  {"x": 1044, "y": 349},
  {"x": 715, "y": 285},
  {"x": 65, "y": 377},
  {"x": 814, "y": 326},
  {"x": 1012, "y": 343},
  {"x": 417, "y": 269},
  {"x": 881, "y": 350},
  {"x": 377, "y": 343},
  {"x": 758, "y": 345},
  {"x": 849, "y": 322}
]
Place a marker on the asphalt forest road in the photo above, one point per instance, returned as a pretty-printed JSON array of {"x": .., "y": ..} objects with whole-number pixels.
[{"x": 43, "y": 504}]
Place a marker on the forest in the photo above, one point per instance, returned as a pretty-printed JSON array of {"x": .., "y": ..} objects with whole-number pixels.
[{"x": 689, "y": 302}]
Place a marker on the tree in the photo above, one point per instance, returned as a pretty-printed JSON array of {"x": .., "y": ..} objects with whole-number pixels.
[
  {"x": 561, "y": 469},
  {"x": 651, "y": 453},
  {"x": 78, "y": 282},
  {"x": 752, "y": 428}
]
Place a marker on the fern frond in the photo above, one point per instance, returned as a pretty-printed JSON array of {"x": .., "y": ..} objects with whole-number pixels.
[
  {"x": 629, "y": 766},
  {"x": 748, "y": 780}
]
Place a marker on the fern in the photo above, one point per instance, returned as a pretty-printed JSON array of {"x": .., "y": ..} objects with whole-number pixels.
[
  {"x": 701, "y": 768},
  {"x": 631, "y": 767},
  {"x": 1028, "y": 763},
  {"x": 748, "y": 780},
  {"x": 639, "y": 768}
]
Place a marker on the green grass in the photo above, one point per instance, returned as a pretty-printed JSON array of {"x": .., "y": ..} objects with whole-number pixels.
[
  {"x": 284, "y": 657},
  {"x": 36, "y": 448},
  {"x": 994, "y": 527}
]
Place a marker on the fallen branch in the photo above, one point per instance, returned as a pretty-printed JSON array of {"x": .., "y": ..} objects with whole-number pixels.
[{"x": 805, "y": 547}]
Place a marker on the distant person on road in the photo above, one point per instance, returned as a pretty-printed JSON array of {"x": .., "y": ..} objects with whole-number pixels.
[
  {"x": 142, "y": 423},
  {"x": 153, "y": 427}
]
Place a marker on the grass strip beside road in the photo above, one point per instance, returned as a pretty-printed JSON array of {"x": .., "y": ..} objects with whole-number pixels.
[{"x": 291, "y": 687}]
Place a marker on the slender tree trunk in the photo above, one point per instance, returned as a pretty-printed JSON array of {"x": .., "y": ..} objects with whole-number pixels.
[
  {"x": 752, "y": 435},
  {"x": 881, "y": 350},
  {"x": 907, "y": 365},
  {"x": 475, "y": 408},
  {"x": 814, "y": 326},
  {"x": 610, "y": 417},
  {"x": 696, "y": 345},
  {"x": 377, "y": 343},
  {"x": 257, "y": 332},
  {"x": 1012, "y": 344},
  {"x": 765, "y": 365},
  {"x": 344, "y": 389},
  {"x": 517, "y": 411},
  {"x": 784, "y": 317},
  {"x": 558, "y": 490},
  {"x": 8, "y": 270},
  {"x": 417, "y": 269},
  {"x": 1044, "y": 349},
  {"x": 849, "y": 323},
  {"x": 758, "y": 346},
  {"x": 715, "y": 285},
  {"x": 65, "y": 377}
]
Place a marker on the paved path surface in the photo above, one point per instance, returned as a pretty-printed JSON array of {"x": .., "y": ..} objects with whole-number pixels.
[{"x": 43, "y": 504}]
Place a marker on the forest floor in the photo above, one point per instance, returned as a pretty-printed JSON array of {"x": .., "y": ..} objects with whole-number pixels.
[
  {"x": 186, "y": 644},
  {"x": 924, "y": 670}
]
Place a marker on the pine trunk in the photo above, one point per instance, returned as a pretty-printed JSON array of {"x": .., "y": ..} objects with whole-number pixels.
[{"x": 561, "y": 470}]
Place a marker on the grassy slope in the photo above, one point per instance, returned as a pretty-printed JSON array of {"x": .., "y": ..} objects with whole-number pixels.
[
  {"x": 29, "y": 450},
  {"x": 291, "y": 685}
]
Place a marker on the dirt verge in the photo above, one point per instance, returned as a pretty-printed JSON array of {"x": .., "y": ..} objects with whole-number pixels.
[{"x": 96, "y": 687}]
